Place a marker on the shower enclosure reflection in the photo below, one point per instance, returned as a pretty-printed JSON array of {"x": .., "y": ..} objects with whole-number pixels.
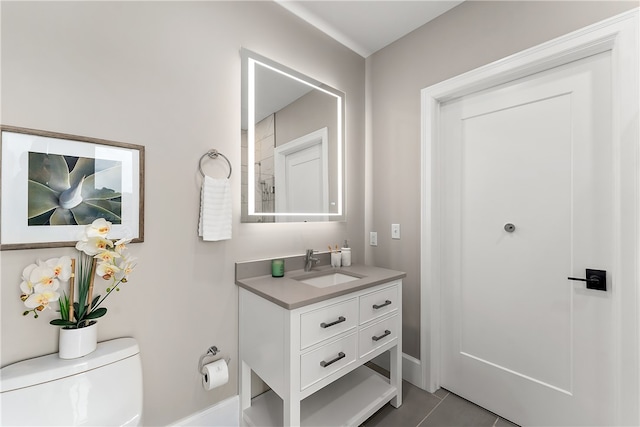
[{"x": 292, "y": 145}]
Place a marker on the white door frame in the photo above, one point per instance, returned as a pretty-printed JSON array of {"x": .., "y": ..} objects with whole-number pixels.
[{"x": 619, "y": 35}]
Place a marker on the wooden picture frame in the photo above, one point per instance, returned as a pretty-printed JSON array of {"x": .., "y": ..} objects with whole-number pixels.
[{"x": 53, "y": 184}]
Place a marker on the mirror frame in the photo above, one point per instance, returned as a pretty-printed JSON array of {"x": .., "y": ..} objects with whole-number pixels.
[{"x": 249, "y": 61}]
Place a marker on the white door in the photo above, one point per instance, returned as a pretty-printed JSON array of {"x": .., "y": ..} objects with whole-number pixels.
[
  {"x": 301, "y": 177},
  {"x": 518, "y": 337},
  {"x": 303, "y": 188}
]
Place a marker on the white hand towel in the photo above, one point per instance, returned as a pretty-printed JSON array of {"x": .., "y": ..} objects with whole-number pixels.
[{"x": 215, "y": 209}]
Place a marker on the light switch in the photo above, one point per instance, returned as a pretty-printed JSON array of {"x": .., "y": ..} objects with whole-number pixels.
[
  {"x": 395, "y": 231},
  {"x": 373, "y": 238}
]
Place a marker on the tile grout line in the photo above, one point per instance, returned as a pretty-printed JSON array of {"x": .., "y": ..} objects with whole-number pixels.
[
  {"x": 438, "y": 397},
  {"x": 434, "y": 408}
]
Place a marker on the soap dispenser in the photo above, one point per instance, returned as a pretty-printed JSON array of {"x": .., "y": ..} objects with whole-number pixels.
[{"x": 346, "y": 254}]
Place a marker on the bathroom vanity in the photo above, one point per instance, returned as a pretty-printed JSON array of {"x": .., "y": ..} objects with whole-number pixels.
[{"x": 308, "y": 336}]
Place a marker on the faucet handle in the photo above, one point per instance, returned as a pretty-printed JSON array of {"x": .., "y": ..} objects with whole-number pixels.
[{"x": 309, "y": 260}]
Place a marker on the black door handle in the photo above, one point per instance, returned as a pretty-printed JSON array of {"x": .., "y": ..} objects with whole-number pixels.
[{"x": 596, "y": 279}]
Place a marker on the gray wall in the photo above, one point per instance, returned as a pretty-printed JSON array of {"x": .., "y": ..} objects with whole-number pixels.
[
  {"x": 469, "y": 36},
  {"x": 166, "y": 75}
]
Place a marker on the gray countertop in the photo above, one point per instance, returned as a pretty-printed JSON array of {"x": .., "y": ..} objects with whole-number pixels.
[{"x": 289, "y": 292}]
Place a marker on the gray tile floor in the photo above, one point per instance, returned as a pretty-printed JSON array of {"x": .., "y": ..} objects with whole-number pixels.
[{"x": 442, "y": 408}]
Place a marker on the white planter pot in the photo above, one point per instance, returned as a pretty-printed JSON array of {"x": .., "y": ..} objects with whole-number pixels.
[{"x": 76, "y": 343}]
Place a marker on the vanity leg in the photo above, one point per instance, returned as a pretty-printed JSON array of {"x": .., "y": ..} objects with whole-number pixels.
[
  {"x": 245, "y": 390},
  {"x": 395, "y": 374},
  {"x": 292, "y": 412}
]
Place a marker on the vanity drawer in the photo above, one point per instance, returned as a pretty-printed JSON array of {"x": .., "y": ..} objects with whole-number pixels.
[
  {"x": 329, "y": 358},
  {"x": 377, "y": 335},
  {"x": 326, "y": 322},
  {"x": 377, "y": 304}
]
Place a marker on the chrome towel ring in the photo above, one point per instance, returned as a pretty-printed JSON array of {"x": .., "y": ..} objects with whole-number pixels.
[{"x": 213, "y": 154}]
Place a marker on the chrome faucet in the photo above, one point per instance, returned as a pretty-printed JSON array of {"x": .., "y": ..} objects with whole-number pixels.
[{"x": 310, "y": 260}]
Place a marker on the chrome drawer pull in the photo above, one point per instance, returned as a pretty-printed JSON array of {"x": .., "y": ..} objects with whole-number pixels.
[
  {"x": 324, "y": 364},
  {"x": 386, "y": 332},
  {"x": 376, "y": 306},
  {"x": 326, "y": 325}
]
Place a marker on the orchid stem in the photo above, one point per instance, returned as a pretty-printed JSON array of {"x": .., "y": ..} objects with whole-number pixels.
[
  {"x": 113, "y": 288},
  {"x": 72, "y": 286},
  {"x": 90, "y": 293}
]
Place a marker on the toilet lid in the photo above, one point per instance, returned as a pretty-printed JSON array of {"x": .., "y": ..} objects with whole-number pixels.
[{"x": 50, "y": 368}]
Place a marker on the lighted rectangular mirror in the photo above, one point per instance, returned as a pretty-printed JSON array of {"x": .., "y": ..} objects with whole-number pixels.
[{"x": 292, "y": 145}]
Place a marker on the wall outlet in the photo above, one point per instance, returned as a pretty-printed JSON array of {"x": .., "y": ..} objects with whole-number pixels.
[
  {"x": 395, "y": 231},
  {"x": 373, "y": 238}
]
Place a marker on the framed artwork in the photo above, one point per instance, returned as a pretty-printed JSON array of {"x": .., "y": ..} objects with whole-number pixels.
[{"x": 52, "y": 185}]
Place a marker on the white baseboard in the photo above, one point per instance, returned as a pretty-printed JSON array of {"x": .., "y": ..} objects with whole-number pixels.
[
  {"x": 411, "y": 369},
  {"x": 222, "y": 414}
]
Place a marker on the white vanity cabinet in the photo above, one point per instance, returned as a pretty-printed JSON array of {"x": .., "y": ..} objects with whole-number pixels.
[{"x": 312, "y": 357}]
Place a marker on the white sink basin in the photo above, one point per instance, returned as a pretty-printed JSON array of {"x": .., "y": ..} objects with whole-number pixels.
[{"x": 330, "y": 279}]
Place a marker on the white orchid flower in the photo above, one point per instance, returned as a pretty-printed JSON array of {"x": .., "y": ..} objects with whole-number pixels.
[
  {"x": 126, "y": 266},
  {"x": 121, "y": 245},
  {"x": 107, "y": 256},
  {"x": 43, "y": 277},
  {"x": 41, "y": 299},
  {"x": 107, "y": 270},
  {"x": 27, "y": 286},
  {"x": 61, "y": 267},
  {"x": 26, "y": 273},
  {"x": 94, "y": 245},
  {"x": 98, "y": 228}
]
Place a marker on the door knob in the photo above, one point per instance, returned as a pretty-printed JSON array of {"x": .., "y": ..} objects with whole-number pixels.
[{"x": 596, "y": 279}]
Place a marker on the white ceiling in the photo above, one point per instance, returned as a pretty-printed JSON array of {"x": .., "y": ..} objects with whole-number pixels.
[{"x": 366, "y": 26}]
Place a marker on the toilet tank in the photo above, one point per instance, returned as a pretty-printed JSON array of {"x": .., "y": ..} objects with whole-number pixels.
[{"x": 103, "y": 388}]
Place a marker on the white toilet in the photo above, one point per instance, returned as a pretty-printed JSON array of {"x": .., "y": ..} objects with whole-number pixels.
[{"x": 103, "y": 388}]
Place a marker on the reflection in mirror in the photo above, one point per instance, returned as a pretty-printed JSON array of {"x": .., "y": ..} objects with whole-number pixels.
[{"x": 292, "y": 145}]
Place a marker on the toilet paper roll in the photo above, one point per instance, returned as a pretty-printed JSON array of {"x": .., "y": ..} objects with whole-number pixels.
[{"x": 215, "y": 374}]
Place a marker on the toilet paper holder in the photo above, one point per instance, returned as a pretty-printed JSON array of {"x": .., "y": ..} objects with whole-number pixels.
[{"x": 211, "y": 352}]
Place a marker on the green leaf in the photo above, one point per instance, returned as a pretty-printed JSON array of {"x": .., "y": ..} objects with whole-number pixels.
[
  {"x": 50, "y": 170},
  {"x": 86, "y": 213},
  {"x": 41, "y": 199},
  {"x": 114, "y": 205},
  {"x": 95, "y": 301},
  {"x": 76, "y": 309},
  {"x": 64, "y": 306},
  {"x": 105, "y": 183},
  {"x": 98, "y": 312},
  {"x": 61, "y": 322},
  {"x": 83, "y": 278},
  {"x": 41, "y": 219},
  {"x": 62, "y": 217},
  {"x": 84, "y": 167}
]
